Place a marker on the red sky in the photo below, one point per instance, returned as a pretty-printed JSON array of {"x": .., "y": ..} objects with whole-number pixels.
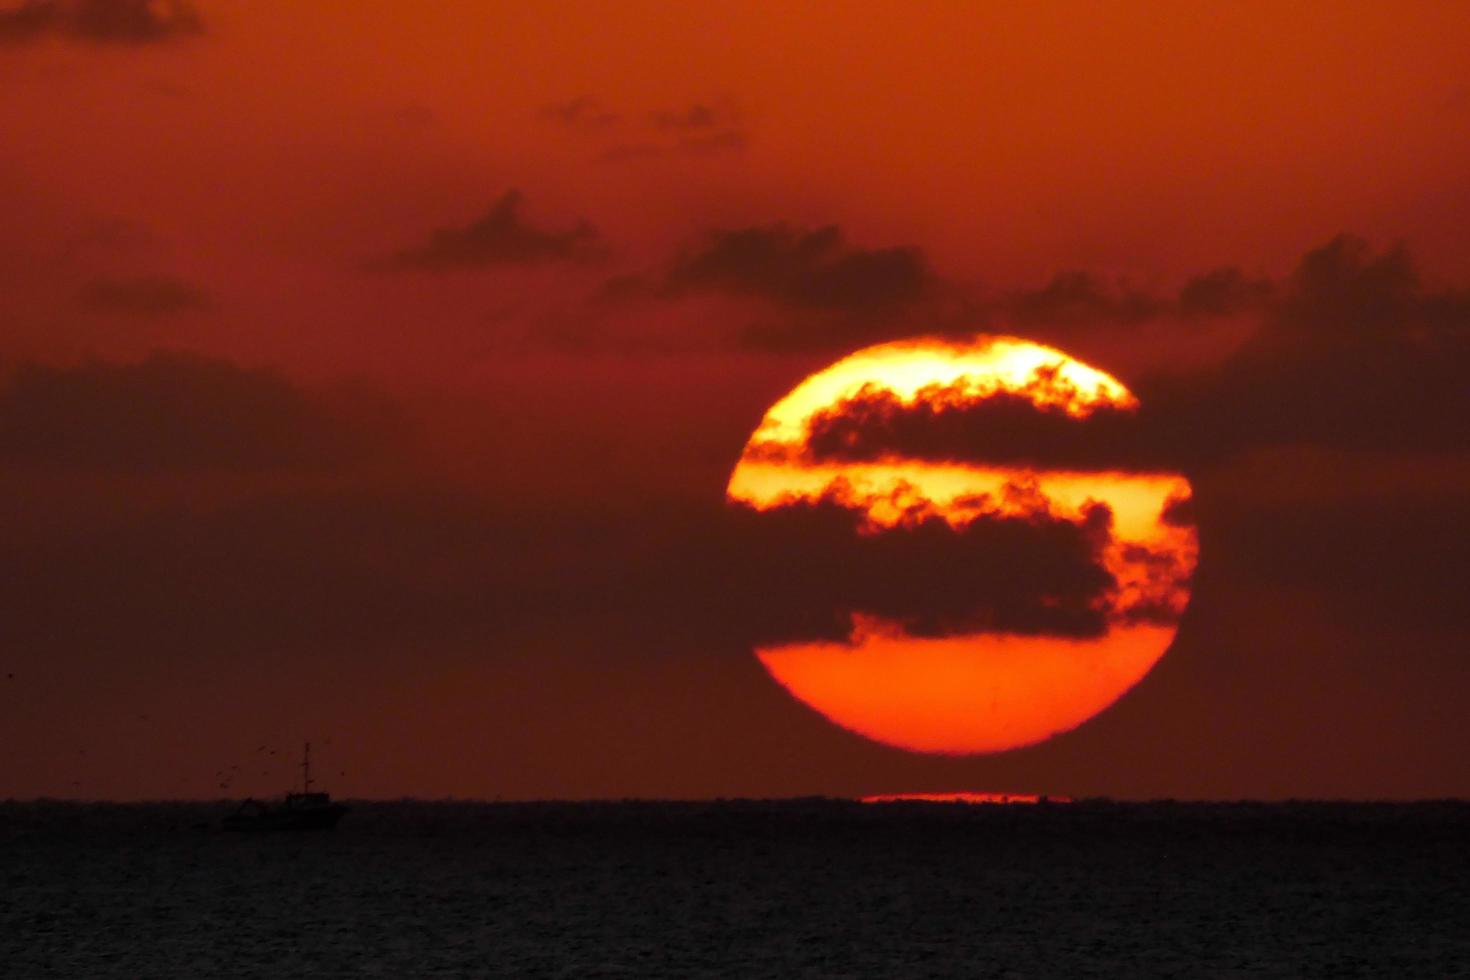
[{"x": 309, "y": 426}]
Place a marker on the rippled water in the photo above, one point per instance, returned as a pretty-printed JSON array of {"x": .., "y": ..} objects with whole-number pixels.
[{"x": 804, "y": 888}]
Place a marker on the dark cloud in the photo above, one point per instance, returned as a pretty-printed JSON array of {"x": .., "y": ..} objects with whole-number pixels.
[
  {"x": 697, "y": 129},
  {"x": 582, "y": 112},
  {"x": 700, "y": 129},
  {"x": 500, "y": 237},
  {"x": 1344, "y": 286},
  {"x": 703, "y": 127},
  {"x": 1078, "y": 297},
  {"x": 1179, "y": 512},
  {"x": 1353, "y": 353},
  {"x": 1081, "y": 299},
  {"x": 808, "y": 566},
  {"x": 827, "y": 294},
  {"x": 103, "y": 21},
  {"x": 1067, "y": 305},
  {"x": 143, "y": 296},
  {"x": 1162, "y": 578},
  {"x": 796, "y": 289},
  {"x": 182, "y": 411},
  {"x": 1224, "y": 292},
  {"x": 330, "y": 570},
  {"x": 699, "y": 116},
  {"x": 814, "y": 270},
  {"x": 1003, "y": 429}
]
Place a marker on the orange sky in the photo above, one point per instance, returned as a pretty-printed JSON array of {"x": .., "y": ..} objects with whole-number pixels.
[
  {"x": 257, "y": 195},
  {"x": 290, "y": 143}
]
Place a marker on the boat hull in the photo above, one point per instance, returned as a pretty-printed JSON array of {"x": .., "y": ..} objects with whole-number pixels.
[{"x": 315, "y": 818}]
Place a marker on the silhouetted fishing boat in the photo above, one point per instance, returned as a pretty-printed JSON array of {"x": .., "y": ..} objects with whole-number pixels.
[{"x": 298, "y": 811}]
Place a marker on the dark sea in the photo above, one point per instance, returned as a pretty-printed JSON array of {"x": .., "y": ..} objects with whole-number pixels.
[{"x": 804, "y": 888}]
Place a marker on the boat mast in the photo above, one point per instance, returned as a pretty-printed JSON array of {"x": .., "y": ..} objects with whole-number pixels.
[{"x": 306, "y": 769}]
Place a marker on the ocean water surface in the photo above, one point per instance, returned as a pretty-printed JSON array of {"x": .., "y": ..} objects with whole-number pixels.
[{"x": 807, "y": 888}]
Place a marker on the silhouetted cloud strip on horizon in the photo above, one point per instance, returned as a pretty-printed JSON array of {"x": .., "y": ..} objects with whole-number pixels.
[
  {"x": 178, "y": 411},
  {"x": 416, "y": 561},
  {"x": 424, "y": 563},
  {"x": 101, "y": 21}
]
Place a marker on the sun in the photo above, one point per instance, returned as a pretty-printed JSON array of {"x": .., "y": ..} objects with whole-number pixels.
[{"x": 1016, "y": 560}]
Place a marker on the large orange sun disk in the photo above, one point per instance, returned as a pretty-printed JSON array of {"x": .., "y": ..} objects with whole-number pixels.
[
  {"x": 965, "y": 694},
  {"x": 985, "y": 692}
]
